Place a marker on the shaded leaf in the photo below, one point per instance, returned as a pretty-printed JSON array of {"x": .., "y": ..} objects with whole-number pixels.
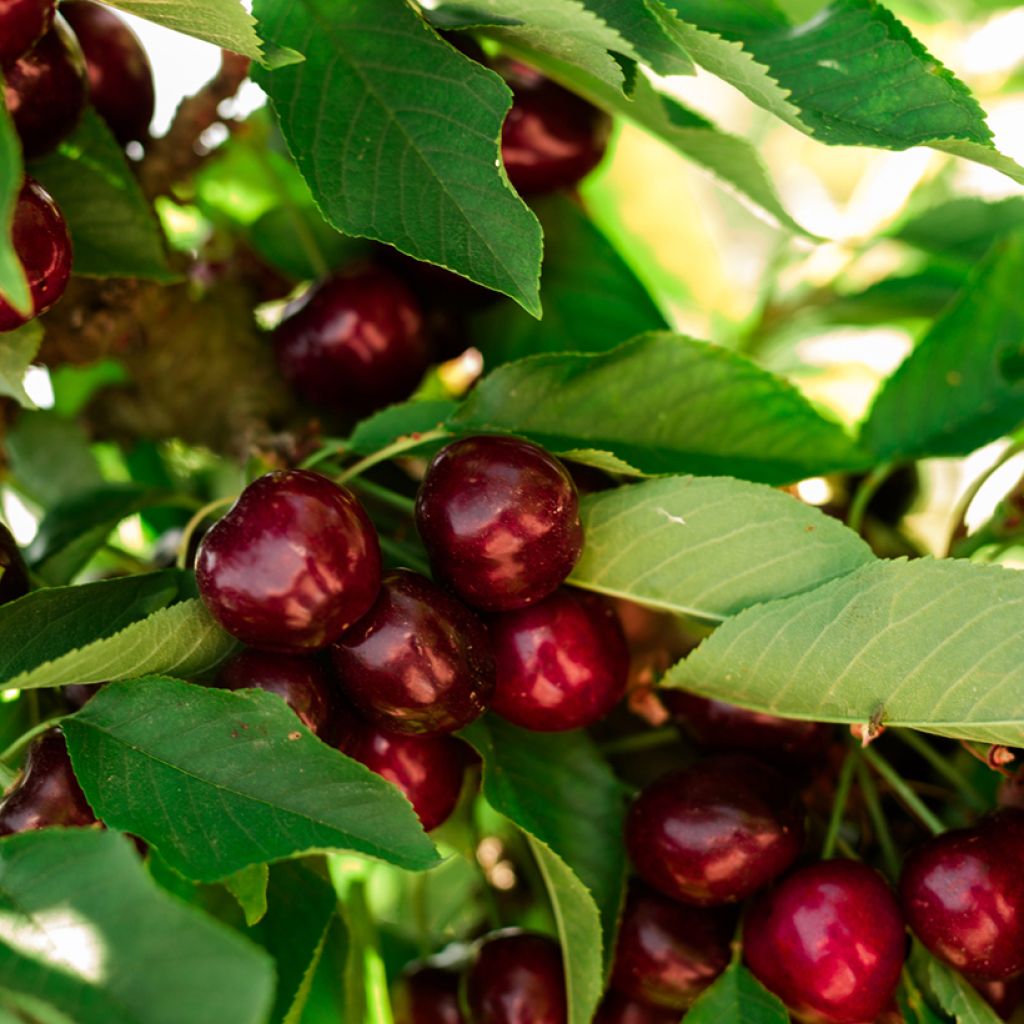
[
  {"x": 397, "y": 421},
  {"x": 249, "y": 888},
  {"x": 963, "y": 229},
  {"x": 50, "y": 458},
  {"x": 13, "y": 283},
  {"x": 738, "y": 997},
  {"x": 958, "y": 997}
]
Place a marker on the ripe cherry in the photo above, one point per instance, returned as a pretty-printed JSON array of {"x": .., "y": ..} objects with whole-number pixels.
[
  {"x": 48, "y": 792},
  {"x": 294, "y": 563},
  {"x": 1004, "y": 995},
  {"x": 41, "y": 241},
  {"x": 354, "y": 341},
  {"x": 427, "y": 769},
  {"x": 551, "y": 138},
  {"x": 619, "y": 1009},
  {"x": 78, "y": 695},
  {"x": 302, "y": 683},
  {"x": 668, "y": 953},
  {"x": 500, "y": 521},
  {"x": 963, "y": 894},
  {"x": 716, "y": 832},
  {"x": 427, "y": 995},
  {"x": 46, "y": 90},
  {"x": 120, "y": 76},
  {"x": 418, "y": 661},
  {"x": 828, "y": 941},
  {"x": 22, "y": 24},
  {"x": 516, "y": 977},
  {"x": 562, "y": 663},
  {"x": 13, "y": 572}
]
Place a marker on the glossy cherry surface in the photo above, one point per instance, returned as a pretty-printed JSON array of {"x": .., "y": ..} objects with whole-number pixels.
[
  {"x": 963, "y": 894},
  {"x": 294, "y": 563},
  {"x": 500, "y": 521},
  {"x": 301, "y": 682},
  {"x": 616, "y": 1008},
  {"x": 561, "y": 663},
  {"x": 22, "y": 24},
  {"x": 427, "y": 769},
  {"x": 47, "y": 792},
  {"x": 828, "y": 941},
  {"x": 46, "y": 90},
  {"x": 516, "y": 977},
  {"x": 551, "y": 138},
  {"x": 354, "y": 341},
  {"x": 668, "y": 953},
  {"x": 120, "y": 76},
  {"x": 716, "y": 832},
  {"x": 42, "y": 243},
  {"x": 427, "y": 995},
  {"x": 418, "y": 661},
  {"x": 13, "y": 572}
]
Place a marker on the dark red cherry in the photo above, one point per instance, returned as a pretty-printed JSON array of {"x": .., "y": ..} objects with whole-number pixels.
[
  {"x": 427, "y": 769},
  {"x": 22, "y": 24},
  {"x": 716, "y": 725},
  {"x": 500, "y": 520},
  {"x": 668, "y": 953},
  {"x": 829, "y": 941},
  {"x": 120, "y": 76},
  {"x": 963, "y": 894},
  {"x": 427, "y": 995},
  {"x": 1004, "y": 996},
  {"x": 516, "y": 977},
  {"x": 562, "y": 663},
  {"x": 716, "y": 832},
  {"x": 294, "y": 563},
  {"x": 418, "y": 661},
  {"x": 616, "y": 1008},
  {"x": 551, "y": 138},
  {"x": 302, "y": 683},
  {"x": 79, "y": 694},
  {"x": 13, "y": 572},
  {"x": 46, "y": 90},
  {"x": 354, "y": 341},
  {"x": 41, "y": 242},
  {"x": 47, "y": 792}
]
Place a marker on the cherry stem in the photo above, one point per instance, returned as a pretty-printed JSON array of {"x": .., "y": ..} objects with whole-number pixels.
[
  {"x": 641, "y": 741},
  {"x": 194, "y": 523},
  {"x": 942, "y": 767},
  {"x": 403, "y": 444},
  {"x": 331, "y": 447},
  {"x": 902, "y": 791},
  {"x": 874, "y": 806},
  {"x": 385, "y": 495},
  {"x": 963, "y": 506},
  {"x": 27, "y": 737},
  {"x": 835, "y": 820},
  {"x": 867, "y": 490}
]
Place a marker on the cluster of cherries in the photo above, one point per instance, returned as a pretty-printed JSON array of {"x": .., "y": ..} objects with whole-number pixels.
[{"x": 53, "y": 65}]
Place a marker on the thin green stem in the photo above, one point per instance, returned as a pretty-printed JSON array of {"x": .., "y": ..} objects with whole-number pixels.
[
  {"x": 874, "y": 805},
  {"x": 867, "y": 490},
  {"x": 27, "y": 737},
  {"x": 971, "y": 796},
  {"x": 332, "y": 448},
  {"x": 421, "y": 913},
  {"x": 902, "y": 791},
  {"x": 835, "y": 820},
  {"x": 194, "y": 523},
  {"x": 641, "y": 741},
  {"x": 384, "y": 495},
  {"x": 402, "y": 445},
  {"x": 967, "y": 498}
]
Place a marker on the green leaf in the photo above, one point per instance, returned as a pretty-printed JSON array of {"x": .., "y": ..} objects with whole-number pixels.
[
  {"x": 17, "y": 350},
  {"x": 592, "y": 300},
  {"x": 396, "y": 421},
  {"x": 249, "y": 888},
  {"x": 925, "y": 645},
  {"x": 738, "y": 997},
  {"x": 217, "y": 781},
  {"x": 963, "y": 384},
  {"x": 397, "y": 135},
  {"x": 50, "y": 457},
  {"x": 13, "y": 283},
  {"x": 114, "y": 232},
  {"x": 535, "y": 779},
  {"x": 664, "y": 404},
  {"x": 958, "y": 997},
  {"x": 709, "y": 546},
  {"x": 963, "y": 229},
  {"x": 300, "y": 243},
  {"x": 84, "y": 928},
  {"x": 922, "y": 295}
]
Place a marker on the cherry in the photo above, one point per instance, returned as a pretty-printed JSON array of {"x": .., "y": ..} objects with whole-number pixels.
[
  {"x": 562, "y": 663},
  {"x": 41, "y": 241},
  {"x": 294, "y": 563},
  {"x": 828, "y": 941},
  {"x": 1004, "y": 996},
  {"x": 354, "y": 340},
  {"x": 418, "y": 661},
  {"x": 47, "y": 792},
  {"x": 120, "y": 76},
  {"x": 46, "y": 90},
  {"x": 716, "y": 832},
  {"x": 500, "y": 520},
  {"x": 551, "y": 138},
  {"x": 13, "y": 573},
  {"x": 79, "y": 694},
  {"x": 300, "y": 682},
  {"x": 516, "y": 977},
  {"x": 619, "y": 1009},
  {"x": 963, "y": 894},
  {"x": 22, "y": 24},
  {"x": 716, "y": 725},
  {"x": 668, "y": 953},
  {"x": 427, "y": 995},
  {"x": 427, "y": 769}
]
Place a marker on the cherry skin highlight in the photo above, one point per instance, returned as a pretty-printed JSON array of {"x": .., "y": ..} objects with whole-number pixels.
[
  {"x": 829, "y": 941},
  {"x": 619, "y": 1009},
  {"x": 427, "y": 995},
  {"x": 22, "y": 24},
  {"x": 561, "y": 663},
  {"x": 516, "y": 977},
  {"x": 47, "y": 792},
  {"x": 13, "y": 571},
  {"x": 418, "y": 661},
  {"x": 294, "y": 563},
  {"x": 963, "y": 894},
  {"x": 354, "y": 341},
  {"x": 120, "y": 76},
  {"x": 43, "y": 245},
  {"x": 500, "y": 520},
  {"x": 716, "y": 832},
  {"x": 300, "y": 682}
]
